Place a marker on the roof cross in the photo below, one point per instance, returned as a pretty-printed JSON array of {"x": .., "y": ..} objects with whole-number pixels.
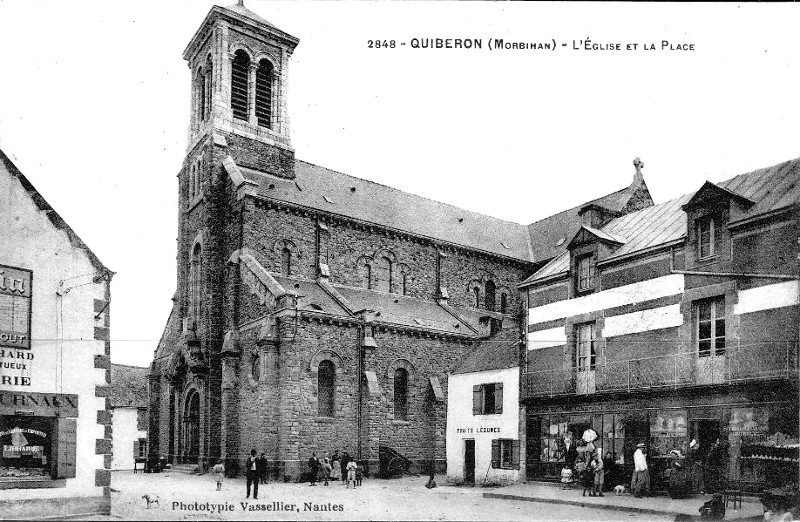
[{"x": 639, "y": 164}]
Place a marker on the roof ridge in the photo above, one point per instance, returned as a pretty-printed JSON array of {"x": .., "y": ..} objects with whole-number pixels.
[
  {"x": 131, "y": 366},
  {"x": 55, "y": 218}
]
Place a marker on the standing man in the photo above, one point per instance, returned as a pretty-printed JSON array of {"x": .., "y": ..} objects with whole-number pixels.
[
  {"x": 262, "y": 468},
  {"x": 313, "y": 468},
  {"x": 252, "y": 474},
  {"x": 641, "y": 476}
]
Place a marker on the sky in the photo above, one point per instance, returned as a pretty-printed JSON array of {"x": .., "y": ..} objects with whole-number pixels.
[{"x": 94, "y": 109}]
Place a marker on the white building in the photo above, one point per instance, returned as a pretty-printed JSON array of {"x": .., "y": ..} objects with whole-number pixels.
[
  {"x": 483, "y": 416},
  {"x": 129, "y": 404},
  {"x": 55, "y": 423}
]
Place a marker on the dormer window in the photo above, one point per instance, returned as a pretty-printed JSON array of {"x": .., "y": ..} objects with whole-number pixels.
[
  {"x": 705, "y": 237},
  {"x": 586, "y": 273}
]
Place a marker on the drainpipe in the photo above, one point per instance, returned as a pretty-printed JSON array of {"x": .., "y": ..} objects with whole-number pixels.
[{"x": 360, "y": 370}]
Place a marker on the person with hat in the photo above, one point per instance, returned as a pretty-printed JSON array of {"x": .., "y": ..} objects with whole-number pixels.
[
  {"x": 640, "y": 482},
  {"x": 678, "y": 483}
]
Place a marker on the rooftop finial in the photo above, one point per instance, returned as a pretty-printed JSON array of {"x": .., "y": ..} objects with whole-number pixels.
[
  {"x": 639, "y": 164},
  {"x": 240, "y": 2}
]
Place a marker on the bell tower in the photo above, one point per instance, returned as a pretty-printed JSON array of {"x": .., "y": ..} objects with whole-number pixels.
[{"x": 239, "y": 66}]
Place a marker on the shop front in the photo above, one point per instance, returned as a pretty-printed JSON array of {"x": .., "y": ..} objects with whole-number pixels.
[
  {"x": 721, "y": 442},
  {"x": 37, "y": 435}
]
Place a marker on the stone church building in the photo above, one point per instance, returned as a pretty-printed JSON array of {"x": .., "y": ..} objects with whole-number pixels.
[{"x": 317, "y": 311}]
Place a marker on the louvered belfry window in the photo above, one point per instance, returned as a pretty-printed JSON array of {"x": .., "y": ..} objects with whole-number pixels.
[
  {"x": 201, "y": 93},
  {"x": 239, "y": 73},
  {"x": 264, "y": 94}
]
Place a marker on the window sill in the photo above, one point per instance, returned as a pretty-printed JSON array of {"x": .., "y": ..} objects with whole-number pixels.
[
  {"x": 401, "y": 423},
  {"x": 704, "y": 261},
  {"x": 32, "y": 483},
  {"x": 326, "y": 420}
]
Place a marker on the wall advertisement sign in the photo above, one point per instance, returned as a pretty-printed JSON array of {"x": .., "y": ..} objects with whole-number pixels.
[{"x": 15, "y": 307}]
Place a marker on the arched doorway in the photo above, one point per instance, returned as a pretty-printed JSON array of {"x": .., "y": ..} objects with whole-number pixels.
[{"x": 190, "y": 429}]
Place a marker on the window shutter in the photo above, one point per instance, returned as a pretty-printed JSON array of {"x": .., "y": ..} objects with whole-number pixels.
[
  {"x": 498, "y": 397},
  {"x": 496, "y": 453},
  {"x": 515, "y": 454},
  {"x": 135, "y": 449},
  {"x": 476, "y": 399},
  {"x": 66, "y": 443}
]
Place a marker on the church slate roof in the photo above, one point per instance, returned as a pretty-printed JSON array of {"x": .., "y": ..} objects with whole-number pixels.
[
  {"x": 128, "y": 386},
  {"x": 394, "y": 309},
  {"x": 405, "y": 311},
  {"x": 310, "y": 295},
  {"x": 336, "y": 193},
  {"x": 247, "y": 13},
  {"x": 498, "y": 353},
  {"x": 772, "y": 189}
]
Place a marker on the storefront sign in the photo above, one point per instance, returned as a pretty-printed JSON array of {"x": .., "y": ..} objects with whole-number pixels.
[
  {"x": 482, "y": 429},
  {"x": 15, "y": 307},
  {"x": 38, "y": 404},
  {"x": 15, "y": 452}
]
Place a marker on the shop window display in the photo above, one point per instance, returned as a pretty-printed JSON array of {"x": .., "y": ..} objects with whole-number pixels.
[
  {"x": 668, "y": 433},
  {"x": 27, "y": 445}
]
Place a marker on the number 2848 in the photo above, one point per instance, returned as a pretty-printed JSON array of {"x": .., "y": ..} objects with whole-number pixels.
[{"x": 381, "y": 44}]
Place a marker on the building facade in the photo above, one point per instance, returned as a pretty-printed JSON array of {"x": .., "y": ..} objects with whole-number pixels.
[
  {"x": 55, "y": 418},
  {"x": 314, "y": 311},
  {"x": 129, "y": 407},
  {"x": 674, "y": 323},
  {"x": 483, "y": 445}
]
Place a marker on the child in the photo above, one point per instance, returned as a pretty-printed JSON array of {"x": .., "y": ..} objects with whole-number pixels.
[
  {"x": 599, "y": 476},
  {"x": 219, "y": 473},
  {"x": 585, "y": 476},
  {"x": 359, "y": 474},
  {"x": 351, "y": 473},
  {"x": 325, "y": 470},
  {"x": 566, "y": 478}
]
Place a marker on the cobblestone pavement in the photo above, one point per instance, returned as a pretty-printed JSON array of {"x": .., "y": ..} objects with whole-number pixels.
[{"x": 193, "y": 497}]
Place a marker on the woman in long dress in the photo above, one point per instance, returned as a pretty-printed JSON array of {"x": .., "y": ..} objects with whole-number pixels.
[{"x": 336, "y": 467}]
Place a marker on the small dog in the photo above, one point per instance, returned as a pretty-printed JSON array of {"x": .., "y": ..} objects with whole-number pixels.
[
  {"x": 619, "y": 490},
  {"x": 151, "y": 500}
]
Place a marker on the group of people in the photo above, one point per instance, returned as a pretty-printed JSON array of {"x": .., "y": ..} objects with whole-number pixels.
[
  {"x": 596, "y": 473},
  {"x": 334, "y": 468},
  {"x": 338, "y": 467},
  {"x": 587, "y": 465}
]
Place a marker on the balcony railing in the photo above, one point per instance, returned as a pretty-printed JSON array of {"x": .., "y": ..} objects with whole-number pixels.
[{"x": 751, "y": 362}]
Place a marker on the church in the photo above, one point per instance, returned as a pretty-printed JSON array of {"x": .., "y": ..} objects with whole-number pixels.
[{"x": 316, "y": 311}]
